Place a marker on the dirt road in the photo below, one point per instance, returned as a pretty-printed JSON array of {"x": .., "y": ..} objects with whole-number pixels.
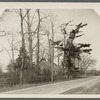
[{"x": 56, "y": 88}]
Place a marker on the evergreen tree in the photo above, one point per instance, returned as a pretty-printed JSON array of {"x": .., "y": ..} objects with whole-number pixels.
[
  {"x": 71, "y": 50},
  {"x": 22, "y": 60}
]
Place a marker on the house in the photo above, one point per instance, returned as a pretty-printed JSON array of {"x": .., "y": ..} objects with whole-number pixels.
[{"x": 45, "y": 65}]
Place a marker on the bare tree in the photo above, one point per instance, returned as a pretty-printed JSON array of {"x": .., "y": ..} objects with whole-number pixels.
[
  {"x": 30, "y": 37},
  {"x": 38, "y": 38},
  {"x": 50, "y": 29},
  {"x": 53, "y": 31},
  {"x": 52, "y": 56},
  {"x": 11, "y": 42},
  {"x": 86, "y": 62},
  {"x": 22, "y": 50},
  {"x": 50, "y": 35}
]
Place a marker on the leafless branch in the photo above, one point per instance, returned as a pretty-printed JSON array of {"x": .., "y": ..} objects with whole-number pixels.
[{"x": 1, "y": 50}]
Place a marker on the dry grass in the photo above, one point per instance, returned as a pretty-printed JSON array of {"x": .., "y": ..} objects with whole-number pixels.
[
  {"x": 73, "y": 91},
  {"x": 16, "y": 87},
  {"x": 91, "y": 89}
]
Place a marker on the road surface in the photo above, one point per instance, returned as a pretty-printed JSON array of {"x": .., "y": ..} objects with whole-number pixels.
[{"x": 56, "y": 88}]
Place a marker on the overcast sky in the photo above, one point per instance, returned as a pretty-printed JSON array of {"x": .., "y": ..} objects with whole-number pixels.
[{"x": 91, "y": 32}]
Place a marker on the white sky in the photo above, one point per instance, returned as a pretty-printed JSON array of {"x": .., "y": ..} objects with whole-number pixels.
[{"x": 92, "y": 31}]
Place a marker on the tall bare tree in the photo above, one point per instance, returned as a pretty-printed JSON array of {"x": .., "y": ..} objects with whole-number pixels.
[
  {"x": 30, "y": 37},
  {"x": 23, "y": 44},
  {"x": 38, "y": 38},
  {"x": 50, "y": 35},
  {"x": 86, "y": 62},
  {"x": 12, "y": 45},
  {"x": 52, "y": 57}
]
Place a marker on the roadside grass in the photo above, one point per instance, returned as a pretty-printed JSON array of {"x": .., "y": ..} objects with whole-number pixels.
[
  {"x": 89, "y": 89},
  {"x": 23, "y": 86},
  {"x": 93, "y": 90},
  {"x": 77, "y": 90}
]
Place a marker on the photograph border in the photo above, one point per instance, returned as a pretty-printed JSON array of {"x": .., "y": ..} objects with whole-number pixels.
[{"x": 86, "y": 4}]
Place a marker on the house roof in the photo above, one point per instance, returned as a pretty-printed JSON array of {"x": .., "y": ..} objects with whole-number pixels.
[{"x": 46, "y": 65}]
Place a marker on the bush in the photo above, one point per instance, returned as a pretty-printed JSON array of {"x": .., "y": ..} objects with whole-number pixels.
[
  {"x": 59, "y": 76},
  {"x": 12, "y": 78},
  {"x": 31, "y": 76},
  {"x": 3, "y": 82}
]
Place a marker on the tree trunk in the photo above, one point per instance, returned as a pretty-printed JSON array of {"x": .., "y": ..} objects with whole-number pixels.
[
  {"x": 64, "y": 47},
  {"x": 21, "y": 77},
  {"x": 52, "y": 59},
  {"x": 23, "y": 46},
  {"x": 58, "y": 58},
  {"x": 50, "y": 55},
  {"x": 38, "y": 39},
  {"x": 49, "y": 49},
  {"x": 12, "y": 45},
  {"x": 30, "y": 37}
]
